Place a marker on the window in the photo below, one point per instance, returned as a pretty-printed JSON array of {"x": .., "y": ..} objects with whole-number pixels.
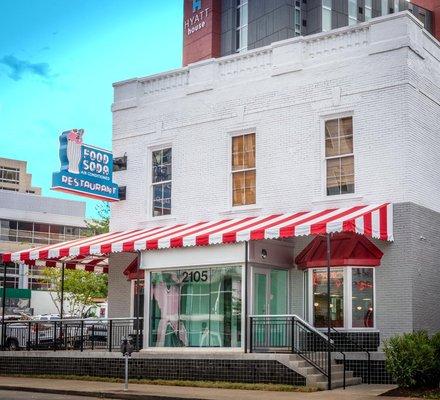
[
  {"x": 352, "y": 12},
  {"x": 196, "y": 307},
  {"x": 9, "y": 175},
  {"x": 362, "y": 298},
  {"x": 241, "y": 26},
  {"x": 339, "y": 156},
  {"x": 243, "y": 170},
  {"x": 336, "y": 298},
  {"x": 161, "y": 181},
  {"x": 297, "y": 18},
  {"x": 326, "y": 15},
  {"x": 351, "y": 293},
  {"x": 368, "y": 9},
  {"x": 384, "y": 7}
]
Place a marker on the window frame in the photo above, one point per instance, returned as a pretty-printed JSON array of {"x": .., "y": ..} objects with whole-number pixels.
[
  {"x": 347, "y": 293},
  {"x": 327, "y": 10},
  {"x": 11, "y": 170},
  {"x": 151, "y": 184},
  {"x": 324, "y": 119},
  {"x": 239, "y": 28},
  {"x": 353, "y": 18},
  {"x": 231, "y": 171}
]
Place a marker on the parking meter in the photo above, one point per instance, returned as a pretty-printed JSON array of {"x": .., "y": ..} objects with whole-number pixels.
[
  {"x": 126, "y": 347},
  {"x": 126, "y": 350}
]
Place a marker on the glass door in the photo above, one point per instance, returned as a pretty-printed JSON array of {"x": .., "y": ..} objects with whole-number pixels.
[{"x": 269, "y": 299}]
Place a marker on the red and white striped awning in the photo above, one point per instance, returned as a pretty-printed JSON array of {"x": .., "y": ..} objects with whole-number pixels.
[{"x": 374, "y": 221}]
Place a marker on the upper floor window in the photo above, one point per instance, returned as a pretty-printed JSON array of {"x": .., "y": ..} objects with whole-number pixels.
[
  {"x": 339, "y": 156},
  {"x": 162, "y": 181},
  {"x": 368, "y": 9},
  {"x": 385, "y": 8},
  {"x": 326, "y": 15},
  {"x": 241, "y": 36},
  {"x": 243, "y": 170},
  {"x": 352, "y": 12},
  {"x": 9, "y": 175}
]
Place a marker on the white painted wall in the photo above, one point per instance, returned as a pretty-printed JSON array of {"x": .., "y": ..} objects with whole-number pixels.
[{"x": 386, "y": 73}]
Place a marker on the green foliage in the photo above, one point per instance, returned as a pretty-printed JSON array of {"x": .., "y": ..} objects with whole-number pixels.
[
  {"x": 80, "y": 288},
  {"x": 97, "y": 226},
  {"x": 411, "y": 360},
  {"x": 435, "y": 341}
]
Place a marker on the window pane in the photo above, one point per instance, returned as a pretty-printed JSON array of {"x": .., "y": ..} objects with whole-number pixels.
[
  {"x": 336, "y": 298},
  {"x": 346, "y": 145},
  {"x": 331, "y": 138},
  {"x": 362, "y": 297},
  {"x": 238, "y": 180},
  {"x": 333, "y": 168},
  {"x": 347, "y": 165},
  {"x": 237, "y": 161},
  {"x": 346, "y": 126},
  {"x": 333, "y": 187},
  {"x": 237, "y": 144},
  {"x": 196, "y": 308},
  {"x": 238, "y": 197},
  {"x": 326, "y": 19},
  {"x": 250, "y": 179}
]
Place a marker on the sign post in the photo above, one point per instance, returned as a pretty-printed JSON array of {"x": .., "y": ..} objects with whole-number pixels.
[{"x": 85, "y": 170}]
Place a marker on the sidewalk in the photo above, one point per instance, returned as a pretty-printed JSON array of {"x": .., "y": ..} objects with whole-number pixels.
[{"x": 156, "y": 392}]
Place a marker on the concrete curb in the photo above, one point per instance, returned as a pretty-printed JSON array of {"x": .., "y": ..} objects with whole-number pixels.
[{"x": 101, "y": 395}]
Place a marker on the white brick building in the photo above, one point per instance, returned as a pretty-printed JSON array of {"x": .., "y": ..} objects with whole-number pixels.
[{"x": 379, "y": 80}]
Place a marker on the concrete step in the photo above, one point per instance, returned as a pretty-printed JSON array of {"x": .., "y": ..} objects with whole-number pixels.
[
  {"x": 305, "y": 368},
  {"x": 313, "y": 379},
  {"x": 339, "y": 383}
]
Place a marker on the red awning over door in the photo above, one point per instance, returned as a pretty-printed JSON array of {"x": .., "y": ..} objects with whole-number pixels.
[{"x": 347, "y": 249}]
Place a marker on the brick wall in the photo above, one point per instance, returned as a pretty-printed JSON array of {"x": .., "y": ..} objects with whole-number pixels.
[{"x": 283, "y": 94}]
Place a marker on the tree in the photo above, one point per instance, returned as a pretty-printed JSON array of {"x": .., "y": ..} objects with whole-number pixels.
[
  {"x": 97, "y": 226},
  {"x": 80, "y": 288}
]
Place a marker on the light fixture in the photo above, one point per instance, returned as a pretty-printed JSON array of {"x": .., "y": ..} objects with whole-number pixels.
[
  {"x": 316, "y": 304},
  {"x": 359, "y": 308},
  {"x": 264, "y": 254}
]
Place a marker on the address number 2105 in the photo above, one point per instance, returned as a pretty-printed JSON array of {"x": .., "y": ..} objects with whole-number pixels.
[{"x": 195, "y": 276}]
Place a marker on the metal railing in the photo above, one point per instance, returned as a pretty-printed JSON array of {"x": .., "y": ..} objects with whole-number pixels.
[
  {"x": 346, "y": 337},
  {"x": 291, "y": 334},
  {"x": 71, "y": 334}
]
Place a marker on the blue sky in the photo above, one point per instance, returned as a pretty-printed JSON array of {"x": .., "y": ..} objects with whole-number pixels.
[{"x": 58, "y": 60}]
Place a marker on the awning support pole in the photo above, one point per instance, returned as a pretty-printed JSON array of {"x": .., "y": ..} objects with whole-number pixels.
[
  {"x": 138, "y": 298},
  {"x": 246, "y": 295},
  {"x": 4, "y": 308},
  {"x": 329, "y": 352},
  {"x": 62, "y": 291}
]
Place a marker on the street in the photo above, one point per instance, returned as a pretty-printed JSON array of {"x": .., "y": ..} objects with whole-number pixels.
[{"x": 13, "y": 395}]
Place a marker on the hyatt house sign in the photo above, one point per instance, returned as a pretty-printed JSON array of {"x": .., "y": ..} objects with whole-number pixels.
[
  {"x": 197, "y": 20},
  {"x": 85, "y": 170}
]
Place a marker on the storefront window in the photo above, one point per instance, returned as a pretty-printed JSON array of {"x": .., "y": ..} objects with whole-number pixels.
[
  {"x": 362, "y": 297},
  {"x": 352, "y": 305},
  {"x": 196, "y": 308},
  {"x": 336, "y": 296}
]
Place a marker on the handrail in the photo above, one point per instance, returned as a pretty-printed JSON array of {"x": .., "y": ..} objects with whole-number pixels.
[
  {"x": 297, "y": 318},
  {"x": 289, "y": 332},
  {"x": 361, "y": 348},
  {"x": 17, "y": 321},
  {"x": 332, "y": 346}
]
